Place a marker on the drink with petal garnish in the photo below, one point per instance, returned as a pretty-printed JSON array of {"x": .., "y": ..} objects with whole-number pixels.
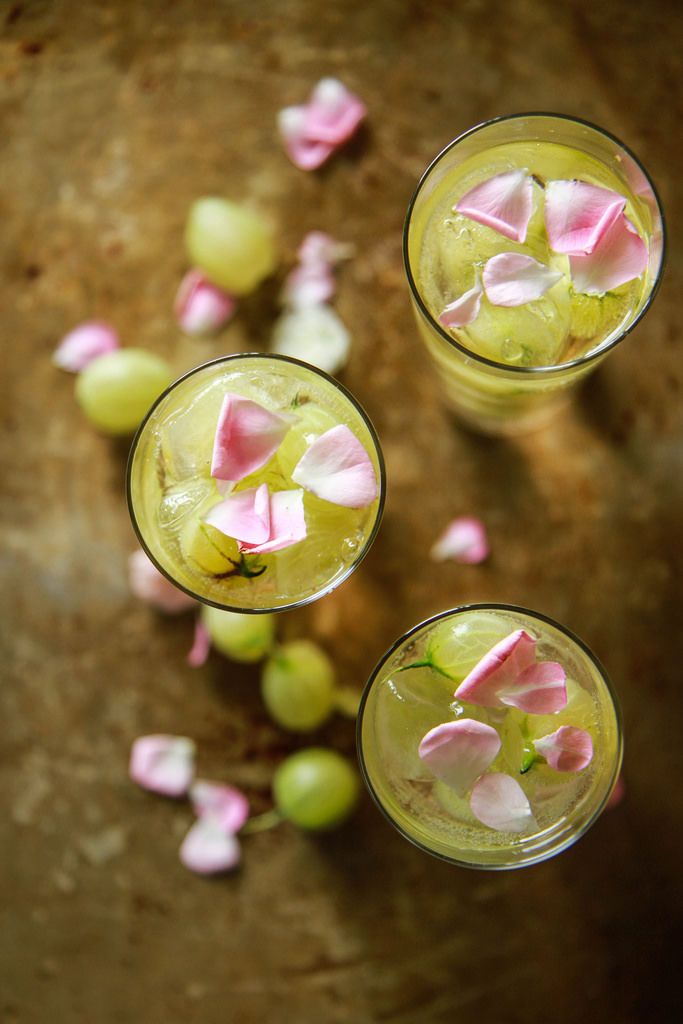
[
  {"x": 533, "y": 245},
  {"x": 490, "y": 736},
  {"x": 256, "y": 483}
]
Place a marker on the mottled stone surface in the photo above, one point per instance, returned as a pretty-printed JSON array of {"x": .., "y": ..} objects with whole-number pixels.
[{"x": 114, "y": 116}]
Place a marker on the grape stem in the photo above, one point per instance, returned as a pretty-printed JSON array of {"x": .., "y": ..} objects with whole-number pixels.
[
  {"x": 426, "y": 663},
  {"x": 242, "y": 568},
  {"x": 262, "y": 822}
]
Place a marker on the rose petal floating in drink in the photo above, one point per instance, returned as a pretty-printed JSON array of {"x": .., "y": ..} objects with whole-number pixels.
[
  {"x": 459, "y": 752},
  {"x": 287, "y": 523},
  {"x": 244, "y": 515},
  {"x": 314, "y": 334},
  {"x": 463, "y": 540},
  {"x": 568, "y": 749},
  {"x": 313, "y": 131},
  {"x": 200, "y": 306},
  {"x": 464, "y": 310},
  {"x": 503, "y": 203},
  {"x": 201, "y": 645},
  {"x": 163, "y": 764},
  {"x": 577, "y": 214},
  {"x": 85, "y": 343},
  {"x": 147, "y": 583},
  {"x": 620, "y": 256},
  {"x": 499, "y": 801},
  {"x": 225, "y": 805},
  {"x": 337, "y": 468},
  {"x": 509, "y": 675},
  {"x": 208, "y": 849},
  {"x": 512, "y": 279},
  {"x": 247, "y": 435}
]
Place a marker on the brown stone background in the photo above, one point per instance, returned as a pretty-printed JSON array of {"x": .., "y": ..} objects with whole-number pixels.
[{"x": 114, "y": 116}]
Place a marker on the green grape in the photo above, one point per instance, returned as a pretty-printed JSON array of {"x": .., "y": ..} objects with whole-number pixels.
[
  {"x": 316, "y": 789},
  {"x": 455, "y": 647},
  {"x": 241, "y": 637},
  {"x": 208, "y": 548},
  {"x": 298, "y": 686},
  {"x": 230, "y": 243},
  {"x": 116, "y": 390}
]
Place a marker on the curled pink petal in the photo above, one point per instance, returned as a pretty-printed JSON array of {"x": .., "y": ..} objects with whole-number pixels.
[
  {"x": 147, "y": 583},
  {"x": 200, "y": 306},
  {"x": 620, "y": 256},
  {"x": 313, "y": 131},
  {"x": 459, "y": 752},
  {"x": 308, "y": 285},
  {"x": 247, "y": 435},
  {"x": 225, "y": 805},
  {"x": 201, "y": 645},
  {"x": 499, "y": 801},
  {"x": 464, "y": 310},
  {"x": 287, "y": 523},
  {"x": 85, "y": 343},
  {"x": 463, "y": 540},
  {"x": 208, "y": 849},
  {"x": 512, "y": 279},
  {"x": 337, "y": 468},
  {"x": 503, "y": 203},
  {"x": 539, "y": 690},
  {"x": 163, "y": 764},
  {"x": 305, "y": 153},
  {"x": 578, "y": 214},
  {"x": 318, "y": 247},
  {"x": 568, "y": 749},
  {"x": 498, "y": 669},
  {"x": 617, "y": 794},
  {"x": 243, "y": 515}
]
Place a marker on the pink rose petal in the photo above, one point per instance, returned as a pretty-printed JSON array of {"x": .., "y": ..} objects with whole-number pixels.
[
  {"x": 463, "y": 540},
  {"x": 247, "y": 435},
  {"x": 200, "y": 306},
  {"x": 225, "y": 805},
  {"x": 498, "y": 669},
  {"x": 503, "y": 203},
  {"x": 512, "y": 279},
  {"x": 459, "y": 752},
  {"x": 464, "y": 310},
  {"x": 499, "y": 802},
  {"x": 617, "y": 794},
  {"x": 578, "y": 214},
  {"x": 567, "y": 750},
  {"x": 305, "y": 153},
  {"x": 85, "y": 343},
  {"x": 313, "y": 131},
  {"x": 620, "y": 256},
  {"x": 163, "y": 764},
  {"x": 539, "y": 690},
  {"x": 337, "y": 468},
  {"x": 208, "y": 849},
  {"x": 243, "y": 515},
  {"x": 201, "y": 645},
  {"x": 147, "y": 583},
  {"x": 287, "y": 523},
  {"x": 318, "y": 247},
  {"x": 308, "y": 285}
]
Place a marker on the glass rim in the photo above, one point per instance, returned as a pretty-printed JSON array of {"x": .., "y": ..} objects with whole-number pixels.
[
  {"x": 585, "y": 649},
  {"x": 316, "y": 371},
  {"x": 532, "y": 371}
]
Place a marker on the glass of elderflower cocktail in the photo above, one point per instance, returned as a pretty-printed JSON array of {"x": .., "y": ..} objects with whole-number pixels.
[
  {"x": 533, "y": 245},
  {"x": 490, "y": 736},
  {"x": 256, "y": 483}
]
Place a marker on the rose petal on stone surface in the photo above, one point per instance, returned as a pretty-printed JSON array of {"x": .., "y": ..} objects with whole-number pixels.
[
  {"x": 617, "y": 794},
  {"x": 539, "y": 690},
  {"x": 163, "y": 764},
  {"x": 499, "y": 801},
  {"x": 201, "y": 645},
  {"x": 243, "y": 515},
  {"x": 512, "y": 279},
  {"x": 567, "y": 750},
  {"x": 504, "y": 203},
  {"x": 463, "y": 540},
  {"x": 247, "y": 435},
  {"x": 333, "y": 112},
  {"x": 498, "y": 669},
  {"x": 577, "y": 214},
  {"x": 314, "y": 334},
  {"x": 208, "y": 849},
  {"x": 201, "y": 307},
  {"x": 459, "y": 752},
  {"x": 225, "y": 805},
  {"x": 337, "y": 468},
  {"x": 308, "y": 285},
  {"x": 464, "y": 310},
  {"x": 287, "y": 523},
  {"x": 318, "y": 247},
  {"x": 620, "y": 256},
  {"x": 85, "y": 343},
  {"x": 147, "y": 583},
  {"x": 304, "y": 152}
]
